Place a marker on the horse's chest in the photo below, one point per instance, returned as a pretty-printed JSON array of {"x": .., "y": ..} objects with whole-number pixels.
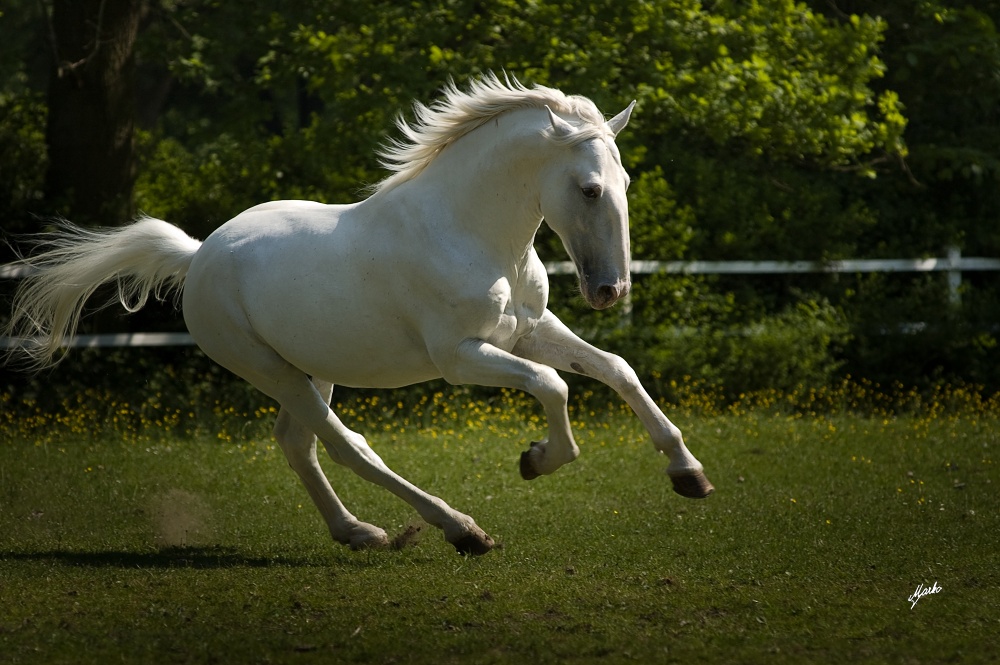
[{"x": 519, "y": 310}]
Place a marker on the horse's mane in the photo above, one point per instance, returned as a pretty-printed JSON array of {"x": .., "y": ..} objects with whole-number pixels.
[{"x": 457, "y": 113}]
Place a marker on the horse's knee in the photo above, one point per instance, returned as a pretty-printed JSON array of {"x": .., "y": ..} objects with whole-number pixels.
[
  {"x": 296, "y": 442},
  {"x": 282, "y": 426},
  {"x": 546, "y": 384}
]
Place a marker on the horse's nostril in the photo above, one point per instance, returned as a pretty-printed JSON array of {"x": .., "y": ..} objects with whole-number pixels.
[
  {"x": 606, "y": 295},
  {"x": 607, "y": 292}
]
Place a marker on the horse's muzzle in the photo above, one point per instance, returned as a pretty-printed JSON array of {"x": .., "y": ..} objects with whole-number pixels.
[{"x": 606, "y": 295}]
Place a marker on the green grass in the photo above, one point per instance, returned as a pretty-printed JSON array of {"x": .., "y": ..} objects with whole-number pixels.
[{"x": 143, "y": 548}]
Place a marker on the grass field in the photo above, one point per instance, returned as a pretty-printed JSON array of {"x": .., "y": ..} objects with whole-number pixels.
[{"x": 120, "y": 542}]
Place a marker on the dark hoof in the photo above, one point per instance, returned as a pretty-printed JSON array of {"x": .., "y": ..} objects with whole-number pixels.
[
  {"x": 692, "y": 485},
  {"x": 474, "y": 545},
  {"x": 527, "y": 468}
]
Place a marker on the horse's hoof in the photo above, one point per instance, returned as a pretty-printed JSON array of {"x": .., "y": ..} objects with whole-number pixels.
[
  {"x": 366, "y": 536},
  {"x": 527, "y": 468},
  {"x": 692, "y": 485},
  {"x": 474, "y": 544}
]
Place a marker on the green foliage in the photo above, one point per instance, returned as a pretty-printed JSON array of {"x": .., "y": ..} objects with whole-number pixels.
[
  {"x": 718, "y": 345},
  {"x": 22, "y": 167},
  {"x": 177, "y": 388},
  {"x": 795, "y": 348},
  {"x": 773, "y": 80},
  {"x": 769, "y": 129},
  {"x": 942, "y": 59},
  {"x": 929, "y": 336}
]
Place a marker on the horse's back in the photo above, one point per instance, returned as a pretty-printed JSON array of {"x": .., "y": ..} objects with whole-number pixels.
[{"x": 261, "y": 245}]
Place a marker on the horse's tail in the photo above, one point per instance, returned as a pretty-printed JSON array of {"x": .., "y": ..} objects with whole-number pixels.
[{"x": 148, "y": 256}]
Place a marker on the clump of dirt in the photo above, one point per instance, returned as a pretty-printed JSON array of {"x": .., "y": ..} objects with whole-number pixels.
[
  {"x": 180, "y": 519},
  {"x": 410, "y": 536}
]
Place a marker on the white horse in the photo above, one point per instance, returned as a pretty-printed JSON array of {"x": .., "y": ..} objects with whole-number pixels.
[{"x": 434, "y": 275}]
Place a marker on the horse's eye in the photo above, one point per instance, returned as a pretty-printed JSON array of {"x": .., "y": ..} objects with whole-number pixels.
[{"x": 591, "y": 191}]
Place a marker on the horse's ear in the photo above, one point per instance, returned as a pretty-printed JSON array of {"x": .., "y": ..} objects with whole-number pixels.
[
  {"x": 617, "y": 123},
  {"x": 560, "y": 128}
]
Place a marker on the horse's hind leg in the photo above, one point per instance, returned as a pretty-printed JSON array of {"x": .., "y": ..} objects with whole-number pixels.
[
  {"x": 350, "y": 449},
  {"x": 309, "y": 409},
  {"x": 299, "y": 445}
]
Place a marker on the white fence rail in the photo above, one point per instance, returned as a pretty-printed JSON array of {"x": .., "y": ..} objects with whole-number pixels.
[{"x": 954, "y": 264}]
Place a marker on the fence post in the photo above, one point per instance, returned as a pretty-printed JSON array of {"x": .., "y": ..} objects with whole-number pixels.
[{"x": 954, "y": 274}]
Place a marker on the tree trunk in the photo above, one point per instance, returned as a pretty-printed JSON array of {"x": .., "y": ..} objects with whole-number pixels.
[{"x": 91, "y": 104}]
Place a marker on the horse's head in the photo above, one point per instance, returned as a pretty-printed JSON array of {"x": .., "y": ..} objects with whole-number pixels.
[{"x": 583, "y": 201}]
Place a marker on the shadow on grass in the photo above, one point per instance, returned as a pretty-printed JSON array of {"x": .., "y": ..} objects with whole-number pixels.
[{"x": 173, "y": 557}]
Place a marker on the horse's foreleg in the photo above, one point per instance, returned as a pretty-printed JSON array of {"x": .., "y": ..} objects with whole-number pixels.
[
  {"x": 299, "y": 445},
  {"x": 480, "y": 363},
  {"x": 552, "y": 343}
]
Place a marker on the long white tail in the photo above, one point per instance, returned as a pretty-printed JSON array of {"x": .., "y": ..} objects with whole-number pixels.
[{"x": 142, "y": 258}]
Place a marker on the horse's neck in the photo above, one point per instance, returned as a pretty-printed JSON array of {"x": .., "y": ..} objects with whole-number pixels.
[{"x": 487, "y": 182}]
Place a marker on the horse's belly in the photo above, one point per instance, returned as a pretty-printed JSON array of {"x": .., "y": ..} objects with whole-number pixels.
[
  {"x": 368, "y": 359},
  {"x": 345, "y": 339}
]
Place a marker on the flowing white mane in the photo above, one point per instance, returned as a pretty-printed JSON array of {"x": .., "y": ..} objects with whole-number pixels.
[{"x": 458, "y": 113}]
